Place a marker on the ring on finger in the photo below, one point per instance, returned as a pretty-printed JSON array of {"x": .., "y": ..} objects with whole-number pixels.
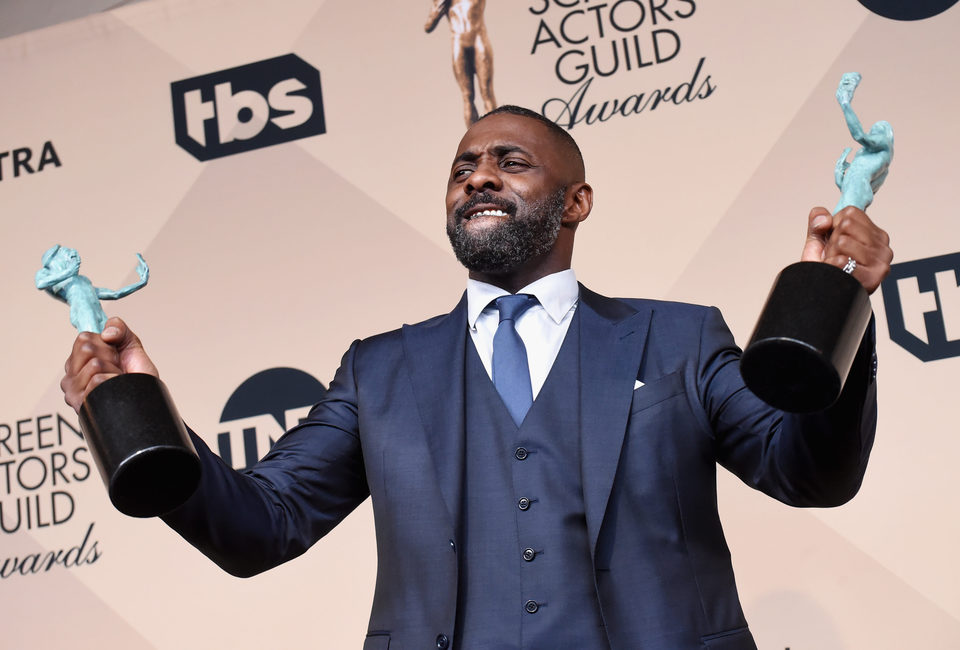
[{"x": 850, "y": 266}]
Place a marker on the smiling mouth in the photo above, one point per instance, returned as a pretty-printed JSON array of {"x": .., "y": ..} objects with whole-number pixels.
[
  {"x": 486, "y": 213},
  {"x": 485, "y": 205}
]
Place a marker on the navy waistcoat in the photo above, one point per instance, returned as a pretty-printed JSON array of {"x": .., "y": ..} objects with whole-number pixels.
[{"x": 526, "y": 575}]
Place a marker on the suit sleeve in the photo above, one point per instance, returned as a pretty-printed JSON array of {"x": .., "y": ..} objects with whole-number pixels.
[
  {"x": 313, "y": 477},
  {"x": 815, "y": 459}
]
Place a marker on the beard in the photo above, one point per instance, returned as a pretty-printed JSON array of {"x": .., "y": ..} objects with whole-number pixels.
[{"x": 530, "y": 231}]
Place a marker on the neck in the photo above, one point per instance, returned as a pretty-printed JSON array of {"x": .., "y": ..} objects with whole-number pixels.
[{"x": 519, "y": 278}]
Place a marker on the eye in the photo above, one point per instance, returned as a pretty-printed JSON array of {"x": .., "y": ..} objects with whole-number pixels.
[
  {"x": 460, "y": 172},
  {"x": 514, "y": 164}
]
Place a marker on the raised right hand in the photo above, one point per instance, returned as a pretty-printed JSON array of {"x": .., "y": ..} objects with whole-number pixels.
[
  {"x": 98, "y": 357},
  {"x": 849, "y": 234}
]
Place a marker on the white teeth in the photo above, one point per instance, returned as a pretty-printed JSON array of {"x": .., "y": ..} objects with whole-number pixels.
[{"x": 490, "y": 213}]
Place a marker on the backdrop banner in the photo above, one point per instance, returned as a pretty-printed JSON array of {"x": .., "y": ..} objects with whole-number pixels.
[{"x": 279, "y": 163}]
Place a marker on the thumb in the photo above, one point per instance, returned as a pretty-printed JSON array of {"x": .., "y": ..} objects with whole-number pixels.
[
  {"x": 819, "y": 226},
  {"x": 133, "y": 358}
]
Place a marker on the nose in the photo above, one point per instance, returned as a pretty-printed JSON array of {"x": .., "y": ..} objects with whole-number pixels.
[{"x": 485, "y": 177}]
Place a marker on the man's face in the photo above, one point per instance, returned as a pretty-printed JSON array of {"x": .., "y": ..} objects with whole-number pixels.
[{"x": 505, "y": 194}]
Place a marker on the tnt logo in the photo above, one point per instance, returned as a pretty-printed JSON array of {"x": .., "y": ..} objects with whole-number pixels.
[
  {"x": 907, "y": 9},
  {"x": 248, "y": 107},
  {"x": 261, "y": 409},
  {"x": 922, "y": 300}
]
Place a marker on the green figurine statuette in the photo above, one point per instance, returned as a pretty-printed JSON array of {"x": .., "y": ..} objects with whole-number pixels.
[
  {"x": 811, "y": 326},
  {"x": 860, "y": 178},
  {"x": 138, "y": 441},
  {"x": 60, "y": 277}
]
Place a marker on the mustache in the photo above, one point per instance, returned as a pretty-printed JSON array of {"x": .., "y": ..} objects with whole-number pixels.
[{"x": 485, "y": 198}]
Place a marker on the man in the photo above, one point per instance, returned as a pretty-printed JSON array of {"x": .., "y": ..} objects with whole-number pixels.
[{"x": 575, "y": 507}]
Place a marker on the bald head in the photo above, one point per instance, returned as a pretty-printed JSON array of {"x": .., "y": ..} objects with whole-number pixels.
[{"x": 562, "y": 137}]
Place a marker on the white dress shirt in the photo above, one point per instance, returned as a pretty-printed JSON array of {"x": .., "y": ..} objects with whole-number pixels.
[{"x": 542, "y": 327}]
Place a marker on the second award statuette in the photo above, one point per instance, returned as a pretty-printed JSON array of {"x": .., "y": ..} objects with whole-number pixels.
[
  {"x": 810, "y": 328},
  {"x": 131, "y": 426}
]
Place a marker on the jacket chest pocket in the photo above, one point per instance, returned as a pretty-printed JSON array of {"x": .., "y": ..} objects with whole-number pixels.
[{"x": 657, "y": 391}]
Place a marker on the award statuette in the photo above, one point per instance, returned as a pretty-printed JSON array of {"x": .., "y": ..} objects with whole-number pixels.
[
  {"x": 138, "y": 441},
  {"x": 813, "y": 321}
]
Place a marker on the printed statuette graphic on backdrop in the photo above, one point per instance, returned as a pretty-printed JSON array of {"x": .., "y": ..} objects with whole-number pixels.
[
  {"x": 810, "y": 328},
  {"x": 472, "y": 52},
  {"x": 131, "y": 426},
  {"x": 860, "y": 178},
  {"x": 60, "y": 277}
]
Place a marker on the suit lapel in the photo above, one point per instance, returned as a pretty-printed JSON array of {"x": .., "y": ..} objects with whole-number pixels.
[
  {"x": 612, "y": 336},
  {"x": 434, "y": 351}
]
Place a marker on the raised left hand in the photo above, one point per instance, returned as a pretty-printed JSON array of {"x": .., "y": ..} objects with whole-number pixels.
[{"x": 849, "y": 234}]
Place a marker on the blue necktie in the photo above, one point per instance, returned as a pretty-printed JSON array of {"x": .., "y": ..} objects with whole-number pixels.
[{"x": 511, "y": 373}]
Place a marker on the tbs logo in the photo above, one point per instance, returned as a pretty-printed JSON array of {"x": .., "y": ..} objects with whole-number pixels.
[
  {"x": 922, "y": 300},
  {"x": 248, "y": 107}
]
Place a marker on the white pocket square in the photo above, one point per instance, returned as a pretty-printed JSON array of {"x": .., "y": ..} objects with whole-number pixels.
[{"x": 637, "y": 384}]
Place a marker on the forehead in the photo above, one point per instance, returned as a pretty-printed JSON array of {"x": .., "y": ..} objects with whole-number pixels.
[{"x": 506, "y": 130}]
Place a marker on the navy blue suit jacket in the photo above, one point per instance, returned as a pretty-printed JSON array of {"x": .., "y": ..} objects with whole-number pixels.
[{"x": 392, "y": 427}]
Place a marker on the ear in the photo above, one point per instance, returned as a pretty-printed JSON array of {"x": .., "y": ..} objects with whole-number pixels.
[{"x": 577, "y": 204}]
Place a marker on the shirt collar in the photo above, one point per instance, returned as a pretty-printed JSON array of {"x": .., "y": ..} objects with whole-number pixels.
[{"x": 557, "y": 293}]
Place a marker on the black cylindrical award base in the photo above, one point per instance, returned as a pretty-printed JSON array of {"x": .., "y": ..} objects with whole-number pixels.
[
  {"x": 140, "y": 445},
  {"x": 806, "y": 338}
]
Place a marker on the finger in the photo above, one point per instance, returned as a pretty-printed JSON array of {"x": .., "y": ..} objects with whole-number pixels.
[
  {"x": 72, "y": 392},
  {"x": 88, "y": 346},
  {"x": 846, "y": 247},
  {"x": 854, "y": 219},
  {"x": 75, "y": 393},
  {"x": 857, "y": 237},
  {"x": 96, "y": 358},
  {"x": 133, "y": 358},
  {"x": 90, "y": 356},
  {"x": 819, "y": 227},
  {"x": 76, "y": 386},
  {"x": 869, "y": 275},
  {"x": 878, "y": 257},
  {"x": 115, "y": 331}
]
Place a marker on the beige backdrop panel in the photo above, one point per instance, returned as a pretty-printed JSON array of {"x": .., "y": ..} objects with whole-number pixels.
[{"x": 281, "y": 256}]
